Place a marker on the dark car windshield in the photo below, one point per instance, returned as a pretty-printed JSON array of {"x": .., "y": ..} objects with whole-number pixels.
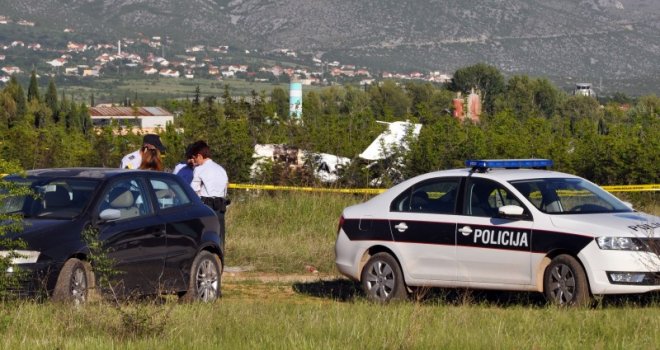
[
  {"x": 50, "y": 198},
  {"x": 569, "y": 196}
]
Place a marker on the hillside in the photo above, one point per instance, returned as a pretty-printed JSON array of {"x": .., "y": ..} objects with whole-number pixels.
[{"x": 610, "y": 42}]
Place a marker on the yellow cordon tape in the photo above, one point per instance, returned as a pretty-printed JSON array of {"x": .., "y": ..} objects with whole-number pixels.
[
  {"x": 620, "y": 188},
  {"x": 307, "y": 189},
  {"x": 632, "y": 188}
]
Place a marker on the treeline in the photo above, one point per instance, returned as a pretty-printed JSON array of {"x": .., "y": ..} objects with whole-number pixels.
[{"x": 523, "y": 117}]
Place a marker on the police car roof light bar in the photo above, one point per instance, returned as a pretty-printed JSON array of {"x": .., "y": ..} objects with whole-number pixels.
[{"x": 483, "y": 164}]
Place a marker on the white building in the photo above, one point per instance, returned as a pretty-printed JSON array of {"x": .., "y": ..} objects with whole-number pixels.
[{"x": 149, "y": 119}]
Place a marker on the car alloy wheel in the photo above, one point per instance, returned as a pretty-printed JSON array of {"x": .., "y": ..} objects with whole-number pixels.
[
  {"x": 205, "y": 278},
  {"x": 382, "y": 279},
  {"x": 73, "y": 282},
  {"x": 565, "y": 282}
]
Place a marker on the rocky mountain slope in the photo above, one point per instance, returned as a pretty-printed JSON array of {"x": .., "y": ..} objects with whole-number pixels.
[{"x": 613, "y": 42}]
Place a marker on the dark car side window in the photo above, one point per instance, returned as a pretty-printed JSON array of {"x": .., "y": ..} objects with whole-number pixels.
[
  {"x": 436, "y": 196},
  {"x": 129, "y": 197},
  {"x": 169, "y": 193}
]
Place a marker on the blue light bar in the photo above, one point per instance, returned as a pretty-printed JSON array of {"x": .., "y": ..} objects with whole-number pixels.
[{"x": 508, "y": 163}]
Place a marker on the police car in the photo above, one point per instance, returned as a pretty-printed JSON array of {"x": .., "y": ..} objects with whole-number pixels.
[{"x": 499, "y": 224}]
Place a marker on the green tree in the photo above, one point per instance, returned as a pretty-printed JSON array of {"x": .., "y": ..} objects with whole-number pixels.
[
  {"x": 280, "y": 100},
  {"x": 17, "y": 93},
  {"x": 485, "y": 79},
  {"x": 51, "y": 100},
  {"x": 33, "y": 88},
  {"x": 389, "y": 102}
]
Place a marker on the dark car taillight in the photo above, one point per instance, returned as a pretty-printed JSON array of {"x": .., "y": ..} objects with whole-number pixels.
[{"x": 341, "y": 223}]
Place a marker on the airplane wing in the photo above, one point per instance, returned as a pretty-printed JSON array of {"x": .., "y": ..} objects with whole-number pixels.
[{"x": 394, "y": 136}]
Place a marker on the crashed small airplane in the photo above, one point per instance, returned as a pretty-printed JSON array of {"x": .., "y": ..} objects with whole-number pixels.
[{"x": 327, "y": 167}]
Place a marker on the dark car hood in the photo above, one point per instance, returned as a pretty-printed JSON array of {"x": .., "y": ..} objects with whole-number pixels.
[{"x": 40, "y": 234}]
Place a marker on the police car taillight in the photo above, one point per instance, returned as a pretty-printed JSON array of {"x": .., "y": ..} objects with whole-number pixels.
[
  {"x": 341, "y": 223},
  {"x": 482, "y": 164}
]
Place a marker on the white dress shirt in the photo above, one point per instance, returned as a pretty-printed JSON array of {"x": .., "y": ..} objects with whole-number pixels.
[
  {"x": 210, "y": 179},
  {"x": 131, "y": 160}
]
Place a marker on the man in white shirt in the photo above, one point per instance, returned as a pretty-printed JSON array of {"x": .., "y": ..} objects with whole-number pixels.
[
  {"x": 210, "y": 181},
  {"x": 134, "y": 159}
]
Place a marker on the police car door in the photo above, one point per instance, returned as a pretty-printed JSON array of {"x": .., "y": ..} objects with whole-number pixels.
[
  {"x": 423, "y": 225},
  {"x": 491, "y": 249}
]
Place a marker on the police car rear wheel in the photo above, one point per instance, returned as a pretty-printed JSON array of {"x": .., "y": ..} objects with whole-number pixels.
[
  {"x": 565, "y": 282},
  {"x": 382, "y": 279}
]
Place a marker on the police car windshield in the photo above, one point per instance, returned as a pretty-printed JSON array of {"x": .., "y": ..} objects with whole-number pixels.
[
  {"x": 568, "y": 196},
  {"x": 48, "y": 199}
]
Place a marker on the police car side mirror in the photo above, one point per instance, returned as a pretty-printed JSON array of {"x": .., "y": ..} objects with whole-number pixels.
[
  {"x": 511, "y": 211},
  {"x": 109, "y": 215},
  {"x": 628, "y": 204}
]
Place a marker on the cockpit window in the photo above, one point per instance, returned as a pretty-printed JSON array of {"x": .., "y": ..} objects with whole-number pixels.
[{"x": 568, "y": 196}]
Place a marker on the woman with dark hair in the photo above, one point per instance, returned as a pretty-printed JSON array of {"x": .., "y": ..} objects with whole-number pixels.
[{"x": 151, "y": 159}]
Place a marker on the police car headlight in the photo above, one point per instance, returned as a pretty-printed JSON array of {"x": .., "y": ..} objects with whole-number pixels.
[
  {"x": 21, "y": 256},
  {"x": 620, "y": 243}
]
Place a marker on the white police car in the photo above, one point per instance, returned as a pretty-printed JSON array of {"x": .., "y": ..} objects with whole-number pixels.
[{"x": 500, "y": 224}]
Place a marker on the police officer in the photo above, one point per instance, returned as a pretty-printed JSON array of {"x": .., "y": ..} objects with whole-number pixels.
[
  {"x": 134, "y": 159},
  {"x": 185, "y": 168},
  {"x": 210, "y": 180}
]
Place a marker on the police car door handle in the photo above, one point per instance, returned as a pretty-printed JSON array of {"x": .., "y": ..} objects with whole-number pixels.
[
  {"x": 401, "y": 227},
  {"x": 466, "y": 230}
]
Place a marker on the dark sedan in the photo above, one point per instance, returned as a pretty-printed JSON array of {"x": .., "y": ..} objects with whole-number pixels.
[{"x": 158, "y": 234}]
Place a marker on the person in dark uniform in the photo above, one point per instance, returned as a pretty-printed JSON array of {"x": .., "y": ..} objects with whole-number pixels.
[{"x": 186, "y": 167}]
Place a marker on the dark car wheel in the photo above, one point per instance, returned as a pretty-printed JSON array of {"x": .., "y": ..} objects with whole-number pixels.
[
  {"x": 565, "y": 282},
  {"x": 382, "y": 279},
  {"x": 74, "y": 282},
  {"x": 205, "y": 277}
]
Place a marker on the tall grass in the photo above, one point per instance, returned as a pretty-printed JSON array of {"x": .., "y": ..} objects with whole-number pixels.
[
  {"x": 284, "y": 232},
  {"x": 323, "y": 324}
]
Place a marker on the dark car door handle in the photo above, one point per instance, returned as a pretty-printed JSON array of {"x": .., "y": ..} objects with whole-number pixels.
[{"x": 159, "y": 233}]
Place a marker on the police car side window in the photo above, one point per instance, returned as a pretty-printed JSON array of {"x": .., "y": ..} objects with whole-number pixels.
[
  {"x": 484, "y": 197},
  {"x": 437, "y": 196}
]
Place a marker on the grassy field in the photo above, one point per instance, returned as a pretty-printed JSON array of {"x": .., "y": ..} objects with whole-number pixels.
[
  {"x": 310, "y": 315},
  {"x": 116, "y": 90},
  {"x": 280, "y": 304}
]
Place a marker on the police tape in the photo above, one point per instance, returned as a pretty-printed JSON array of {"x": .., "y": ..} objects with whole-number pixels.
[
  {"x": 618, "y": 188},
  {"x": 632, "y": 188},
  {"x": 307, "y": 189}
]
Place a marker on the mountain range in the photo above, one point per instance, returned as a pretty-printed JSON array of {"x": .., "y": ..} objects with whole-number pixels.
[{"x": 614, "y": 44}]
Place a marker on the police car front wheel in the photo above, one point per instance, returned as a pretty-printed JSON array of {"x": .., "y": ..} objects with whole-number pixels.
[
  {"x": 382, "y": 279},
  {"x": 565, "y": 282}
]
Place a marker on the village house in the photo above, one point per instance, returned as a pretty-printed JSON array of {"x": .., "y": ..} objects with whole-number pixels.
[
  {"x": 11, "y": 70},
  {"x": 58, "y": 62},
  {"x": 92, "y": 72},
  {"x": 169, "y": 73},
  {"x": 25, "y": 23},
  {"x": 75, "y": 47}
]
